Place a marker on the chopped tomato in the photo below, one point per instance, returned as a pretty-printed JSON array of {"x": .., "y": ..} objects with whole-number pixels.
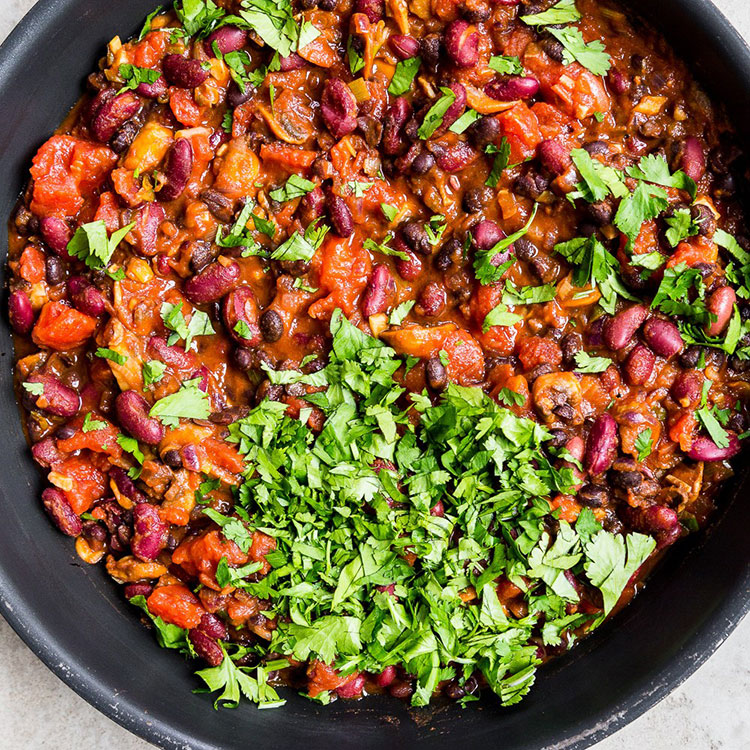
[
  {"x": 238, "y": 172},
  {"x": 581, "y": 93},
  {"x": 344, "y": 271},
  {"x": 553, "y": 122},
  {"x": 184, "y": 108},
  {"x": 108, "y": 211},
  {"x": 177, "y": 605},
  {"x": 568, "y": 507},
  {"x": 261, "y": 545},
  {"x": 465, "y": 358},
  {"x": 290, "y": 157},
  {"x": 697, "y": 250},
  {"x": 98, "y": 439},
  {"x": 61, "y": 327},
  {"x": 65, "y": 169},
  {"x": 537, "y": 350},
  {"x": 419, "y": 341},
  {"x": 520, "y": 126},
  {"x": 81, "y": 481},
  {"x": 200, "y": 555},
  {"x": 31, "y": 265},
  {"x": 323, "y": 677}
]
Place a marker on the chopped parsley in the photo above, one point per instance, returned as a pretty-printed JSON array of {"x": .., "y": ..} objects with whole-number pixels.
[
  {"x": 506, "y": 65},
  {"x": 399, "y": 313},
  {"x": 500, "y": 316},
  {"x": 134, "y": 76},
  {"x": 152, "y": 371},
  {"x": 500, "y": 163},
  {"x": 35, "y": 389},
  {"x": 199, "y": 325},
  {"x": 643, "y": 444},
  {"x": 90, "y": 424},
  {"x": 295, "y": 187}
]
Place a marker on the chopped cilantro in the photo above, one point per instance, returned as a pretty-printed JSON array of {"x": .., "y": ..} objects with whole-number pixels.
[
  {"x": 588, "y": 364},
  {"x": 435, "y": 114},
  {"x": 152, "y": 371},
  {"x": 91, "y": 425},
  {"x": 563, "y": 12},
  {"x": 134, "y": 76},
  {"x": 499, "y": 316},
  {"x": 500, "y": 163},
  {"x": 468, "y": 118},
  {"x": 199, "y": 325},
  {"x": 93, "y": 246},
  {"x": 643, "y": 444},
  {"x": 506, "y": 65},
  {"x": 111, "y": 354},
  {"x": 35, "y": 389},
  {"x": 190, "y": 402},
  {"x": 390, "y": 212},
  {"x": 403, "y": 76},
  {"x": 399, "y": 313},
  {"x": 295, "y": 187}
]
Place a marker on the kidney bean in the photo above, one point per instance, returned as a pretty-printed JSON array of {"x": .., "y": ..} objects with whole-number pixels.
[
  {"x": 149, "y": 532},
  {"x": 379, "y": 292},
  {"x": 240, "y": 305},
  {"x": 291, "y": 62},
  {"x": 373, "y": 9},
  {"x": 132, "y": 411},
  {"x": 721, "y": 304},
  {"x": 705, "y": 449},
  {"x": 663, "y": 337},
  {"x": 456, "y": 157},
  {"x": 554, "y": 156},
  {"x": 432, "y": 300},
  {"x": 693, "y": 158},
  {"x": 601, "y": 445},
  {"x": 184, "y": 73},
  {"x": 510, "y": 88},
  {"x": 175, "y": 356},
  {"x": 338, "y": 106},
  {"x": 619, "y": 330},
  {"x": 56, "y": 235},
  {"x": 686, "y": 389},
  {"x": 206, "y": 648},
  {"x": 212, "y": 626},
  {"x": 137, "y": 589},
  {"x": 125, "y": 485},
  {"x": 403, "y": 46},
  {"x": 148, "y": 218},
  {"x": 177, "y": 169},
  {"x": 61, "y": 512},
  {"x": 20, "y": 312},
  {"x": 486, "y": 234},
  {"x": 660, "y": 521},
  {"x": 227, "y": 39},
  {"x": 462, "y": 43},
  {"x": 353, "y": 688},
  {"x": 57, "y": 398},
  {"x": 395, "y": 119},
  {"x": 618, "y": 82},
  {"x": 153, "y": 90},
  {"x": 103, "y": 96},
  {"x": 410, "y": 268},
  {"x": 386, "y": 677},
  {"x": 113, "y": 114},
  {"x": 212, "y": 283},
  {"x": 640, "y": 364},
  {"x": 86, "y": 297},
  {"x": 341, "y": 216},
  {"x": 45, "y": 452}
]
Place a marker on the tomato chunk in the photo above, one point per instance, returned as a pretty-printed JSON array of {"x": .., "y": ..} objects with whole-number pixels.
[
  {"x": 177, "y": 605},
  {"x": 61, "y": 327}
]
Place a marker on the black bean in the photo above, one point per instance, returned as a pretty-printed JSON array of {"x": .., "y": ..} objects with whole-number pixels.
[
  {"x": 525, "y": 249},
  {"x": 54, "y": 270},
  {"x": 565, "y": 411},
  {"x": 430, "y": 51},
  {"x": 628, "y": 480},
  {"x": 593, "y": 495},
  {"x": 416, "y": 238},
  {"x": 328, "y": 5},
  {"x": 454, "y": 691},
  {"x": 553, "y": 48},
  {"x": 437, "y": 377},
  {"x": 542, "y": 369},
  {"x": 122, "y": 139},
  {"x": 601, "y": 212},
  {"x": 474, "y": 199},
  {"x": 483, "y": 132},
  {"x": 596, "y": 147},
  {"x": 271, "y": 326},
  {"x": 570, "y": 345},
  {"x": 703, "y": 216},
  {"x": 532, "y": 184},
  {"x": 65, "y": 432},
  {"x": 737, "y": 422},
  {"x": 423, "y": 163},
  {"x": 689, "y": 358},
  {"x": 448, "y": 254},
  {"x": 172, "y": 459}
]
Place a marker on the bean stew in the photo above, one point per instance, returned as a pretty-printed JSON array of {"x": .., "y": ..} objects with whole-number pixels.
[{"x": 378, "y": 346}]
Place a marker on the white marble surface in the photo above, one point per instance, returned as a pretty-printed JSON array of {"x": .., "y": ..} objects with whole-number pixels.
[{"x": 709, "y": 712}]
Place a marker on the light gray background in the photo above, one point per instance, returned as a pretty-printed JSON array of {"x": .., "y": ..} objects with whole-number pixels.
[{"x": 709, "y": 712}]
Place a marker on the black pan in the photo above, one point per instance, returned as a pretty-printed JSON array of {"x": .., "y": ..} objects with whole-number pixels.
[{"x": 73, "y": 618}]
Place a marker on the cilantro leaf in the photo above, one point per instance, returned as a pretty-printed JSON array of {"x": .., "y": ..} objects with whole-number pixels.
[
  {"x": 403, "y": 75},
  {"x": 499, "y": 316},
  {"x": 173, "y": 319},
  {"x": 92, "y": 425},
  {"x": 390, "y": 212},
  {"x": 383, "y": 247},
  {"x": 646, "y": 202},
  {"x": 168, "y": 635},
  {"x": 681, "y": 226},
  {"x": 611, "y": 560},
  {"x": 190, "y": 402},
  {"x": 35, "y": 389},
  {"x": 506, "y": 65},
  {"x": 146, "y": 28},
  {"x": 198, "y": 17},
  {"x": 111, "y": 354},
  {"x": 654, "y": 168},
  {"x": 468, "y": 118},
  {"x": 500, "y": 163},
  {"x": 588, "y": 364},
  {"x": 563, "y": 12},
  {"x": 91, "y": 244},
  {"x": 130, "y": 445},
  {"x": 592, "y": 55},
  {"x": 134, "y": 76},
  {"x": 643, "y": 444},
  {"x": 599, "y": 180},
  {"x": 233, "y": 529},
  {"x": 435, "y": 114},
  {"x": 273, "y": 21},
  {"x": 152, "y": 372},
  {"x": 708, "y": 418},
  {"x": 295, "y": 187},
  {"x": 396, "y": 318}
]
